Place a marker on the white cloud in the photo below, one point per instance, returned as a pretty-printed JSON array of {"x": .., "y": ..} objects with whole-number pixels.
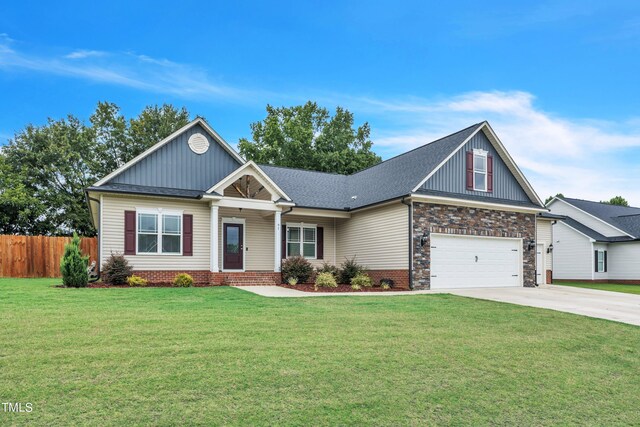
[{"x": 81, "y": 54}]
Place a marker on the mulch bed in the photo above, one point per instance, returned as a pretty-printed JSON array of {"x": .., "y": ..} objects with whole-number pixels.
[
  {"x": 341, "y": 288},
  {"x": 101, "y": 285}
]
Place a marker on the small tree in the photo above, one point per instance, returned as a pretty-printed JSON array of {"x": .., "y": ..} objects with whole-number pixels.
[
  {"x": 617, "y": 200},
  {"x": 116, "y": 270},
  {"x": 73, "y": 265}
]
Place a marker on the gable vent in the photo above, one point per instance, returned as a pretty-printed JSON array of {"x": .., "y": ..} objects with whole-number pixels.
[{"x": 198, "y": 143}]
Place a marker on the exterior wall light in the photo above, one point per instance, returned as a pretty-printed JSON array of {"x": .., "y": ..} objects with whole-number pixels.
[
  {"x": 531, "y": 245},
  {"x": 550, "y": 248},
  {"x": 424, "y": 238}
]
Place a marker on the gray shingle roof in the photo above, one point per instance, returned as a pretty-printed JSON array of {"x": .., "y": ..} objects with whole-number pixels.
[
  {"x": 152, "y": 191},
  {"x": 393, "y": 178},
  {"x": 625, "y": 218},
  {"x": 592, "y": 233}
]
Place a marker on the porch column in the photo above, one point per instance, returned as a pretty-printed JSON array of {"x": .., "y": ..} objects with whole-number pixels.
[
  {"x": 277, "y": 240},
  {"x": 213, "y": 261}
]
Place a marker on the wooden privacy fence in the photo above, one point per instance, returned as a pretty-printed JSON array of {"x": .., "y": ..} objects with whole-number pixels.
[{"x": 38, "y": 256}]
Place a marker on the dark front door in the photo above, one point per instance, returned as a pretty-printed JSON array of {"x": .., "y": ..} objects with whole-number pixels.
[{"x": 232, "y": 247}]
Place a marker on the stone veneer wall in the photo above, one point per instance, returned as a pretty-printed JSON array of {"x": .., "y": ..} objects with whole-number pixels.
[{"x": 433, "y": 218}]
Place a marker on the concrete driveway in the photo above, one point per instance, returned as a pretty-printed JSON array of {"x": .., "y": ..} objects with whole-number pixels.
[{"x": 616, "y": 306}]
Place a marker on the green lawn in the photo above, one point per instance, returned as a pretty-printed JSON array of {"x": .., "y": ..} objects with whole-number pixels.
[
  {"x": 216, "y": 356},
  {"x": 614, "y": 287}
]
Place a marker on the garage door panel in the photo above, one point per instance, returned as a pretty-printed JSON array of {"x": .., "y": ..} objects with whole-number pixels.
[{"x": 471, "y": 261}]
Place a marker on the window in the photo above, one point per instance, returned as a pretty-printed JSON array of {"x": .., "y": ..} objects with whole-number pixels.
[
  {"x": 302, "y": 240},
  {"x": 159, "y": 232},
  {"x": 479, "y": 170},
  {"x": 600, "y": 260}
]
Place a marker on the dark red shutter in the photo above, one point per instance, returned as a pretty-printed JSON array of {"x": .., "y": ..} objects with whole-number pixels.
[
  {"x": 129, "y": 232},
  {"x": 320, "y": 242},
  {"x": 187, "y": 235},
  {"x": 605, "y": 261},
  {"x": 283, "y": 254},
  {"x": 469, "y": 170},
  {"x": 490, "y": 173}
]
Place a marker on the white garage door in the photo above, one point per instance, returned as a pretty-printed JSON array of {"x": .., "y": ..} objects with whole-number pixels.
[{"x": 474, "y": 262}]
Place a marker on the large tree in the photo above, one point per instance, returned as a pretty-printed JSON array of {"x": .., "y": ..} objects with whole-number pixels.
[
  {"x": 617, "y": 200},
  {"x": 308, "y": 137},
  {"x": 45, "y": 169}
]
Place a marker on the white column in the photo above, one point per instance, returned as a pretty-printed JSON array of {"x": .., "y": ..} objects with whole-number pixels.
[
  {"x": 213, "y": 262},
  {"x": 277, "y": 226}
]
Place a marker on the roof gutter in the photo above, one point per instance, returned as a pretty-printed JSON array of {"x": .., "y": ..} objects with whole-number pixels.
[{"x": 410, "y": 222}]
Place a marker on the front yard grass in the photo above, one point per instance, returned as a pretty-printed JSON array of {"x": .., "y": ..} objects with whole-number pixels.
[
  {"x": 613, "y": 287},
  {"x": 211, "y": 356}
]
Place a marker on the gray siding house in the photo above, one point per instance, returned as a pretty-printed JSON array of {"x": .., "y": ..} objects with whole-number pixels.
[{"x": 456, "y": 212}]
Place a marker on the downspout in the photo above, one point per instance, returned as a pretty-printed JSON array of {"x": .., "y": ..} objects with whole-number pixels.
[
  {"x": 410, "y": 221},
  {"x": 91, "y": 199}
]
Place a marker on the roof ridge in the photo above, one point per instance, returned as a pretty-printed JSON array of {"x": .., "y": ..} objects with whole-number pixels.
[
  {"x": 625, "y": 216},
  {"x": 596, "y": 202},
  {"x": 417, "y": 148},
  {"x": 300, "y": 169}
]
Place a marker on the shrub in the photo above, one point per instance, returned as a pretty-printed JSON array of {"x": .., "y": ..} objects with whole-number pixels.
[
  {"x": 356, "y": 287},
  {"x": 292, "y": 281},
  {"x": 388, "y": 282},
  {"x": 183, "y": 280},
  {"x": 326, "y": 280},
  {"x": 137, "y": 281},
  {"x": 297, "y": 267},
  {"x": 350, "y": 269},
  {"x": 362, "y": 280},
  {"x": 73, "y": 265},
  {"x": 116, "y": 270},
  {"x": 329, "y": 268}
]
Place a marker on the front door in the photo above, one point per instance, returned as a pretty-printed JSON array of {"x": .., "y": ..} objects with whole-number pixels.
[{"x": 233, "y": 247}]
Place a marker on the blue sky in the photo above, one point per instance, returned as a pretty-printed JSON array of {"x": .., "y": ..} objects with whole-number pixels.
[{"x": 558, "y": 80}]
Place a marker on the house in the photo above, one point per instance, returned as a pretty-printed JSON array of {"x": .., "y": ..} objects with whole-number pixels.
[
  {"x": 457, "y": 212},
  {"x": 595, "y": 242}
]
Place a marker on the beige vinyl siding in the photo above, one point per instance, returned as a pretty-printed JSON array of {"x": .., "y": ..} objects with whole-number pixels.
[
  {"x": 329, "y": 235},
  {"x": 572, "y": 254},
  {"x": 112, "y": 233},
  {"x": 259, "y": 251},
  {"x": 377, "y": 237},
  {"x": 560, "y": 207},
  {"x": 544, "y": 235}
]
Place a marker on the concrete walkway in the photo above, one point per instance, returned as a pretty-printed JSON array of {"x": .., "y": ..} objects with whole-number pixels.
[{"x": 616, "y": 306}]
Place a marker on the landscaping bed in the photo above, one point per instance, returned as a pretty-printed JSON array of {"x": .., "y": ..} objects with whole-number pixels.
[{"x": 309, "y": 287}]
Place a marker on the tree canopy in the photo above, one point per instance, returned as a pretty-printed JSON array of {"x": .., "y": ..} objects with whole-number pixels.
[
  {"x": 308, "y": 137},
  {"x": 45, "y": 169},
  {"x": 617, "y": 200},
  {"x": 550, "y": 198}
]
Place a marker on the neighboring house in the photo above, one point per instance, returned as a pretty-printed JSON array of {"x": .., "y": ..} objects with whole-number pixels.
[
  {"x": 457, "y": 212},
  {"x": 596, "y": 241}
]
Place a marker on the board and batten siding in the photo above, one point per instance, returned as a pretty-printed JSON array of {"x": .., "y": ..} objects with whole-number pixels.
[
  {"x": 559, "y": 207},
  {"x": 377, "y": 237},
  {"x": 622, "y": 260},
  {"x": 572, "y": 254},
  {"x": 174, "y": 165},
  {"x": 112, "y": 233},
  {"x": 544, "y": 235},
  {"x": 451, "y": 177}
]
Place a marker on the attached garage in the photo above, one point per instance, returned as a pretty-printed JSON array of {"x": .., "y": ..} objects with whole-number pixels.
[{"x": 475, "y": 262}]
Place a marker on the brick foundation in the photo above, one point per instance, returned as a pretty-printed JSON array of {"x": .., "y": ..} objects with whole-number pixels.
[
  {"x": 431, "y": 218},
  {"x": 200, "y": 277},
  {"x": 247, "y": 278},
  {"x": 400, "y": 277}
]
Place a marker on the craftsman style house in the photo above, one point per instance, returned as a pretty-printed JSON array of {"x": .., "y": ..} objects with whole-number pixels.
[{"x": 457, "y": 212}]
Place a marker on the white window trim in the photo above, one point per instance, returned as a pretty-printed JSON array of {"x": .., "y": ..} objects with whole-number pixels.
[
  {"x": 160, "y": 212},
  {"x": 481, "y": 153},
  {"x": 244, "y": 243},
  {"x": 600, "y": 253},
  {"x": 302, "y": 226}
]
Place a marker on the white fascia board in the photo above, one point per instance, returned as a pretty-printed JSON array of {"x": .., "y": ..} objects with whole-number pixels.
[
  {"x": 324, "y": 213},
  {"x": 494, "y": 140},
  {"x": 555, "y": 199},
  {"x": 233, "y": 176},
  {"x": 165, "y": 141},
  {"x": 473, "y": 203}
]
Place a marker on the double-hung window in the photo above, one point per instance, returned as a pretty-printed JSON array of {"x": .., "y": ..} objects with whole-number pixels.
[
  {"x": 302, "y": 240},
  {"x": 479, "y": 170},
  {"x": 601, "y": 264},
  {"x": 159, "y": 233}
]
